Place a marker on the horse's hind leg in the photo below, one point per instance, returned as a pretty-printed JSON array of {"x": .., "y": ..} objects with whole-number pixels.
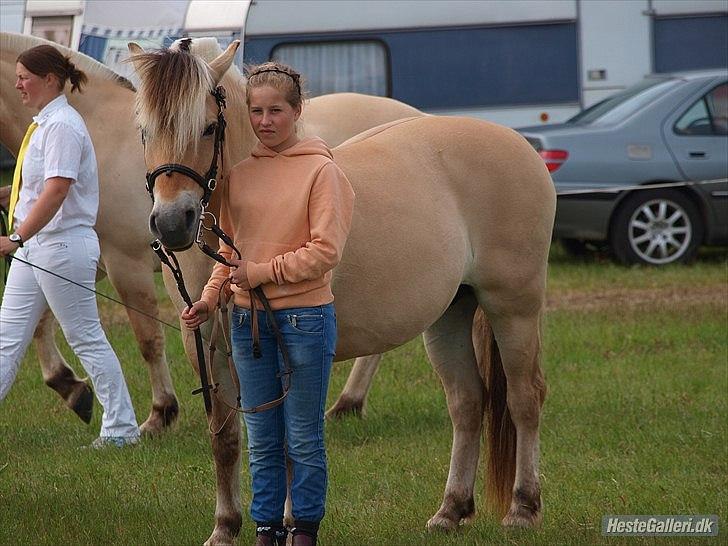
[
  {"x": 517, "y": 331},
  {"x": 353, "y": 397},
  {"x": 449, "y": 345},
  {"x": 57, "y": 374},
  {"x": 134, "y": 282}
]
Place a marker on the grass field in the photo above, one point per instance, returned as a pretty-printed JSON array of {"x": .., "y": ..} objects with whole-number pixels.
[{"x": 634, "y": 423}]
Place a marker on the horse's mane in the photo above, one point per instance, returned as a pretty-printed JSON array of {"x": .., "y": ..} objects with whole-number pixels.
[
  {"x": 10, "y": 41},
  {"x": 175, "y": 84}
]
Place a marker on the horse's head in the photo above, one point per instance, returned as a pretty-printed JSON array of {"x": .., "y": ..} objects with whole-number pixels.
[{"x": 178, "y": 111}]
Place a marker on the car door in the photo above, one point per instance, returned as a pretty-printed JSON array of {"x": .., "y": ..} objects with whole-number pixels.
[{"x": 698, "y": 135}]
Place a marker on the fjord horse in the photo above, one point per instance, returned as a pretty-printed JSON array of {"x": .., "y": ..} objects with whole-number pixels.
[
  {"x": 450, "y": 214},
  {"x": 107, "y": 107}
]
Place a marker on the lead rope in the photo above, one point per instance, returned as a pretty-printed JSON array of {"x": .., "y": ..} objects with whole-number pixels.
[{"x": 167, "y": 257}]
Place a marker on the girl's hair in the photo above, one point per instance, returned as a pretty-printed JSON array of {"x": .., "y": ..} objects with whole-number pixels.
[
  {"x": 44, "y": 59},
  {"x": 279, "y": 76}
]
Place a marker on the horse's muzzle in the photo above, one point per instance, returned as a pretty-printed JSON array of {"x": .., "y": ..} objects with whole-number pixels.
[{"x": 175, "y": 226}]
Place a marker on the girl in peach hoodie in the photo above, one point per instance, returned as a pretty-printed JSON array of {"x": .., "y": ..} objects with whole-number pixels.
[{"x": 288, "y": 210}]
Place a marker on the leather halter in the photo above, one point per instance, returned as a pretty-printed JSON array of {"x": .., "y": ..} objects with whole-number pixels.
[{"x": 208, "y": 181}]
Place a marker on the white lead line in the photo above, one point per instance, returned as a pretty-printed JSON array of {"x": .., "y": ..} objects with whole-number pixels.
[{"x": 618, "y": 189}]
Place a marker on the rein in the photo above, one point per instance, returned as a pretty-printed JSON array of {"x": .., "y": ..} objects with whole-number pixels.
[{"x": 208, "y": 183}]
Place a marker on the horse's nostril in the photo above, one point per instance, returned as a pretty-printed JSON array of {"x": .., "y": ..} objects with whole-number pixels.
[
  {"x": 153, "y": 225},
  {"x": 189, "y": 218}
]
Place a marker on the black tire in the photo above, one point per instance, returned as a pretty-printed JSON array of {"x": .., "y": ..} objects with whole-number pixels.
[
  {"x": 574, "y": 247},
  {"x": 656, "y": 227}
]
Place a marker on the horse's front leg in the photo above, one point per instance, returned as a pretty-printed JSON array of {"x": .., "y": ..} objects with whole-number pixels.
[
  {"x": 57, "y": 374},
  {"x": 225, "y": 427},
  {"x": 133, "y": 279},
  {"x": 226, "y": 451}
]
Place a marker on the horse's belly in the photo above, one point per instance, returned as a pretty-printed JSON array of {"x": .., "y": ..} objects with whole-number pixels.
[{"x": 403, "y": 262}]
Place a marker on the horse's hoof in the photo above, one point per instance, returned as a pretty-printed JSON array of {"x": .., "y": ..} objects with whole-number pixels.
[
  {"x": 441, "y": 522},
  {"x": 160, "y": 418},
  {"x": 220, "y": 537},
  {"x": 520, "y": 520},
  {"x": 454, "y": 511},
  {"x": 525, "y": 510},
  {"x": 345, "y": 406},
  {"x": 82, "y": 403}
]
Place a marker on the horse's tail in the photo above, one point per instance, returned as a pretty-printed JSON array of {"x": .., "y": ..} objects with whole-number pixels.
[{"x": 499, "y": 430}]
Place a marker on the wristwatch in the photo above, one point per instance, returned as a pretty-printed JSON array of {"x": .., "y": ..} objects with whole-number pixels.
[{"x": 17, "y": 239}]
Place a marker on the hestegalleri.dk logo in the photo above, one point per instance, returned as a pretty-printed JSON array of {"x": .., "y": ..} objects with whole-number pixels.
[{"x": 646, "y": 525}]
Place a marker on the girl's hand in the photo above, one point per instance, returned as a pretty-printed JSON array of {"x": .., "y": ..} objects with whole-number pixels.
[
  {"x": 196, "y": 315},
  {"x": 239, "y": 274}
]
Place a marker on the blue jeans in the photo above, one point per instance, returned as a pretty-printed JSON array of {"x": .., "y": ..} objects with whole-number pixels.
[{"x": 310, "y": 336}]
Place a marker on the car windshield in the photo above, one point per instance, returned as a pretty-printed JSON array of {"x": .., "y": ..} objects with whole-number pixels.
[{"x": 623, "y": 104}]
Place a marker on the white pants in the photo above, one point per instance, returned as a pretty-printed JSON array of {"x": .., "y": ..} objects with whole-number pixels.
[{"x": 29, "y": 291}]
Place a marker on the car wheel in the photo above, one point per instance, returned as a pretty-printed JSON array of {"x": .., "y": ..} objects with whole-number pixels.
[
  {"x": 574, "y": 247},
  {"x": 656, "y": 227}
]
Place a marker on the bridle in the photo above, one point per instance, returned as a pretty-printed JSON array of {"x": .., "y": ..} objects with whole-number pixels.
[{"x": 208, "y": 183}]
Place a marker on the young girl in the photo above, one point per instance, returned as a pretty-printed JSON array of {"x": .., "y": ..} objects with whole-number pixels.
[{"x": 288, "y": 210}]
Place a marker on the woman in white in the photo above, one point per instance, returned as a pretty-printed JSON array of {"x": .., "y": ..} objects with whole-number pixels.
[{"x": 53, "y": 228}]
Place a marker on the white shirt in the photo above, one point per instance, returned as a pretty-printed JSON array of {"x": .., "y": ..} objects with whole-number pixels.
[{"x": 60, "y": 146}]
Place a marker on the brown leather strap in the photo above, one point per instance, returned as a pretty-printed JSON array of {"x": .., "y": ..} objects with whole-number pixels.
[
  {"x": 228, "y": 345},
  {"x": 255, "y": 328},
  {"x": 220, "y": 318}
]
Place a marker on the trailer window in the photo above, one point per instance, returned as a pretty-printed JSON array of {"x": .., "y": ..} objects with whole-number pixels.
[
  {"x": 335, "y": 67},
  {"x": 55, "y": 29}
]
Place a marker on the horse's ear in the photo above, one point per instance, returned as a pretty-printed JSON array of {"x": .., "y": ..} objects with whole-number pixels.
[
  {"x": 134, "y": 50},
  {"x": 220, "y": 65}
]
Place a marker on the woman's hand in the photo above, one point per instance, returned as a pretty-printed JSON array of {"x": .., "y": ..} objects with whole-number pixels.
[
  {"x": 196, "y": 315},
  {"x": 239, "y": 274},
  {"x": 5, "y": 196},
  {"x": 7, "y": 246}
]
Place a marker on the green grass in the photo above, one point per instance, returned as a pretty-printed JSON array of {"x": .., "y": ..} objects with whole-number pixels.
[{"x": 634, "y": 423}]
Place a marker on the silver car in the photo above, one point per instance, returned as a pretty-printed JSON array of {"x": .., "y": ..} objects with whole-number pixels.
[{"x": 668, "y": 135}]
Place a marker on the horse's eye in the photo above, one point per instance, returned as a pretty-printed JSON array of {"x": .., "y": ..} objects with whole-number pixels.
[{"x": 210, "y": 129}]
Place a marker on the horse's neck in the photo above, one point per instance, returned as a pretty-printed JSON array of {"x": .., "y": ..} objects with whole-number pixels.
[
  {"x": 99, "y": 104},
  {"x": 14, "y": 117},
  {"x": 105, "y": 104},
  {"x": 240, "y": 138}
]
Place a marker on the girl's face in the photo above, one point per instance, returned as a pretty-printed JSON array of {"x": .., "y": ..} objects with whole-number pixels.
[
  {"x": 272, "y": 118},
  {"x": 35, "y": 91}
]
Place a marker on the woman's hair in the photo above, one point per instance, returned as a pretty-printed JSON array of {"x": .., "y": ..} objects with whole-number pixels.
[
  {"x": 279, "y": 76},
  {"x": 44, "y": 59}
]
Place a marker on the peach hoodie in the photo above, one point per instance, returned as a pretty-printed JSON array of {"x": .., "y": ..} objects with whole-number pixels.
[{"x": 289, "y": 214}]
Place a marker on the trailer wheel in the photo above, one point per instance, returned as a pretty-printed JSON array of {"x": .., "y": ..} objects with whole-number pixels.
[{"x": 656, "y": 227}]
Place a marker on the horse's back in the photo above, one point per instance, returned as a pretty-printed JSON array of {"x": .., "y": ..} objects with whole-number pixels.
[
  {"x": 338, "y": 116},
  {"x": 478, "y": 189},
  {"x": 473, "y": 158}
]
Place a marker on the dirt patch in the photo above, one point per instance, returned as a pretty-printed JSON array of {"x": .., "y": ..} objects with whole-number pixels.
[{"x": 672, "y": 296}]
